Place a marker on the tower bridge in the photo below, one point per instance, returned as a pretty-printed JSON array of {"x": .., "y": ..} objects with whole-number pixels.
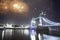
[{"x": 41, "y": 21}]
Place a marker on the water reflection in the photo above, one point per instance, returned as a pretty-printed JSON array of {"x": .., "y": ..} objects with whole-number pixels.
[
  {"x": 24, "y": 34},
  {"x": 49, "y": 37}
]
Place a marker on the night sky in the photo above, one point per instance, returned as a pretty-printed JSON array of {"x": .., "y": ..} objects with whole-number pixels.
[{"x": 50, "y": 7}]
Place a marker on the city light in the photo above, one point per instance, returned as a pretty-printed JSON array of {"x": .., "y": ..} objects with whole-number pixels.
[
  {"x": 27, "y": 26},
  {"x": 33, "y": 37},
  {"x": 33, "y": 21},
  {"x": 9, "y": 25},
  {"x": 26, "y": 32},
  {"x": 39, "y": 36},
  {"x": 33, "y": 34},
  {"x": 2, "y": 34},
  {"x": 8, "y": 31}
]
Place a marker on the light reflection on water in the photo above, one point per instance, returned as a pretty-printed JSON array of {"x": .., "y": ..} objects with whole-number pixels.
[
  {"x": 33, "y": 35},
  {"x": 49, "y": 37}
]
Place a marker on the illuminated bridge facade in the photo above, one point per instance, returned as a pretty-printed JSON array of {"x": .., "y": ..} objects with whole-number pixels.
[{"x": 27, "y": 32}]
